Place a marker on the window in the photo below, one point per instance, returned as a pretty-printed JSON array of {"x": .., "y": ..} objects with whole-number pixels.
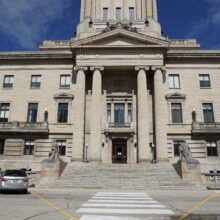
[
  {"x": 176, "y": 148},
  {"x": 118, "y": 14},
  {"x": 4, "y": 112},
  {"x": 63, "y": 112},
  {"x": 65, "y": 81},
  {"x": 208, "y": 113},
  {"x": 35, "y": 81},
  {"x": 204, "y": 80},
  {"x": 105, "y": 14},
  {"x": 32, "y": 112},
  {"x": 62, "y": 147},
  {"x": 176, "y": 109},
  {"x": 212, "y": 148},
  {"x": 109, "y": 112},
  {"x": 29, "y": 147},
  {"x": 2, "y": 147},
  {"x": 119, "y": 113},
  {"x": 8, "y": 81},
  {"x": 174, "y": 81},
  {"x": 129, "y": 112},
  {"x": 131, "y": 14}
]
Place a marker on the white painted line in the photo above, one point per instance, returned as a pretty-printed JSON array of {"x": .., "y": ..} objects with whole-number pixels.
[
  {"x": 133, "y": 198},
  {"x": 123, "y": 201},
  {"x": 102, "y": 217},
  {"x": 120, "y": 193},
  {"x": 127, "y": 211},
  {"x": 113, "y": 195},
  {"x": 122, "y": 205}
]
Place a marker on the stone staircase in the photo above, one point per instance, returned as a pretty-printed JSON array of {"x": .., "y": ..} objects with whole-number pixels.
[{"x": 121, "y": 177}]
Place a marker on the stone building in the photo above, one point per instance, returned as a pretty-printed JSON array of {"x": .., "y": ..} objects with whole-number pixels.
[{"x": 115, "y": 93}]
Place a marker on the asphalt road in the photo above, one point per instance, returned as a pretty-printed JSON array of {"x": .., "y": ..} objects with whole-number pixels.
[{"x": 46, "y": 204}]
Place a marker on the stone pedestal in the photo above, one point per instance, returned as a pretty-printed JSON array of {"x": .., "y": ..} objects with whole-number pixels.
[
  {"x": 189, "y": 170},
  {"x": 51, "y": 170}
]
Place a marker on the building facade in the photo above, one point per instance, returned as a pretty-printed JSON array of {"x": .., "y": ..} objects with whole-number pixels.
[{"x": 118, "y": 92}]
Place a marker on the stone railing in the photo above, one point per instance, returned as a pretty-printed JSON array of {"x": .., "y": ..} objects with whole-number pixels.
[
  {"x": 211, "y": 179},
  {"x": 119, "y": 125},
  {"x": 27, "y": 127},
  {"x": 184, "y": 42},
  {"x": 201, "y": 127},
  {"x": 56, "y": 43}
]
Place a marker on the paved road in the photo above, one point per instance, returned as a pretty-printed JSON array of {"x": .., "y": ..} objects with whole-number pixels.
[{"x": 107, "y": 205}]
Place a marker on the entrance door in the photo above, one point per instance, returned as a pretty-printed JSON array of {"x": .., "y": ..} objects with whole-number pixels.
[{"x": 119, "y": 151}]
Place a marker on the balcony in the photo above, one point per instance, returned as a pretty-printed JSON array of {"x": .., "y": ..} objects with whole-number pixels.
[
  {"x": 205, "y": 128},
  {"x": 24, "y": 127},
  {"x": 119, "y": 127}
]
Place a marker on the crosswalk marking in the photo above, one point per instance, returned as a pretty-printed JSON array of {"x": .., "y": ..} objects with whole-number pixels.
[
  {"x": 101, "y": 217},
  {"x": 127, "y": 211},
  {"x": 123, "y": 204},
  {"x": 122, "y": 201}
]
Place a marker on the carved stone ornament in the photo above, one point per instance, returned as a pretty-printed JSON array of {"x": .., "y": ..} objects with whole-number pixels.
[
  {"x": 119, "y": 25},
  {"x": 100, "y": 68},
  {"x": 146, "y": 68},
  {"x": 63, "y": 96}
]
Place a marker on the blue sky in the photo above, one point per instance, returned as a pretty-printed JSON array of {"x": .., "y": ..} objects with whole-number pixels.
[{"x": 24, "y": 24}]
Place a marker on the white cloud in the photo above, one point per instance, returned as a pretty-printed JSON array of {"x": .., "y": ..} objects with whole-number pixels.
[{"x": 26, "y": 21}]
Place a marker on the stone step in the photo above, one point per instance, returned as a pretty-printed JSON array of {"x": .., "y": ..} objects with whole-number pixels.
[{"x": 120, "y": 176}]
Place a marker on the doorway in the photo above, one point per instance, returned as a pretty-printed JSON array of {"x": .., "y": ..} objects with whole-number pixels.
[{"x": 119, "y": 151}]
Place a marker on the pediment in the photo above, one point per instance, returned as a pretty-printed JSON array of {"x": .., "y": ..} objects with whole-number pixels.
[
  {"x": 63, "y": 96},
  {"x": 175, "y": 95},
  {"x": 121, "y": 38}
]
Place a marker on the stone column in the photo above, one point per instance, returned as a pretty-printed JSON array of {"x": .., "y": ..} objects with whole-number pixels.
[
  {"x": 82, "y": 13},
  {"x": 138, "y": 9},
  {"x": 155, "y": 16},
  {"x": 144, "y": 10},
  {"x": 149, "y": 8},
  {"x": 160, "y": 107},
  {"x": 143, "y": 122},
  {"x": 96, "y": 116},
  {"x": 79, "y": 115}
]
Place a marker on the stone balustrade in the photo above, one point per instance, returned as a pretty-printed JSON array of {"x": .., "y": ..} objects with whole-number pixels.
[
  {"x": 184, "y": 42},
  {"x": 211, "y": 179},
  {"x": 24, "y": 127},
  {"x": 201, "y": 127}
]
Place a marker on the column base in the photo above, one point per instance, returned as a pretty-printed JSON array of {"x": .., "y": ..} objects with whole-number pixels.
[
  {"x": 95, "y": 160},
  {"x": 76, "y": 160},
  {"x": 144, "y": 161}
]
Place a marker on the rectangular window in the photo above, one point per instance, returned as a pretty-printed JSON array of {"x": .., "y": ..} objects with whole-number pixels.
[
  {"x": 32, "y": 112},
  {"x": 2, "y": 147},
  {"x": 109, "y": 112},
  {"x": 8, "y": 81},
  {"x": 62, "y": 147},
  {"x": 105, "y": 14},
  {"x": 174, "y": 81},
  {"x": 4, "y": 112},
  {"x": 119, "y": 113},
  {"x": 35, "y": 81},
  {"x": 129, "y": 112},
  {"x": 65, "y": 81},
  {"x": 212, "y": 149},
  {"x": 176, "y": 109},
  {"x": 131, "y": 14},
  {"x": 176, "y": 148},
  {"x": 29, "y": 147},
  {"x": 208, "y": 113},
  {"x": 118, "y": 14},
  {"x": 63, "y": 112},
  {"x": 204, "y": 80}
]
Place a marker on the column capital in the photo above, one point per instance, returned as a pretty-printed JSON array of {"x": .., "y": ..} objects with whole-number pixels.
[
  {"x": 83, "y": 68},
  {"x": 162, "y": 68},
  {"x": 138, "y": 68},
  {"x": 100, "y": 68}
]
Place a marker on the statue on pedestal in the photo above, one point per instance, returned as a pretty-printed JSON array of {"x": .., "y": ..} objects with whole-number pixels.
[
  {"x": 54, "y": 154},
  {"x": 185, "y": 152}
]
